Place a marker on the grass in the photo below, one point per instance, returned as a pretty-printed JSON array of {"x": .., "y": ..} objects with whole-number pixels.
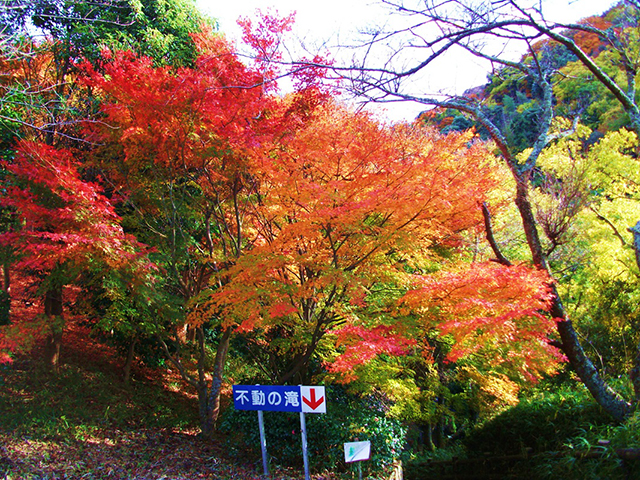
[{"x": 85, "y": 423}]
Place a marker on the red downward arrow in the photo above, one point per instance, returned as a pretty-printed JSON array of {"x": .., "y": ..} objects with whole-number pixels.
[{"x": 312, "y": 402}]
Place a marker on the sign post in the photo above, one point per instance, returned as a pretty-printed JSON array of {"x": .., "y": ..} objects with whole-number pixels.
[
  {"x": 263, "y": 444},
  {"x": 305, "y": 454},
  {"x": 279, "y": 398}
]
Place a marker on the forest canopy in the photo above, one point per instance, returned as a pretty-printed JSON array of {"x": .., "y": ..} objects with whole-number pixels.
[{"x": 160, "y": 190}]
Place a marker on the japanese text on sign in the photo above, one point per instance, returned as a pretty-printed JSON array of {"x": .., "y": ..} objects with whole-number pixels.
[{"x": 279, "y": 398}]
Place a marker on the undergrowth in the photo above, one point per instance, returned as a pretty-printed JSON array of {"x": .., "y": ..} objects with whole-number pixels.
[
  {"x": 86, "y": 423},
  {"x": 559, "y": 432}
]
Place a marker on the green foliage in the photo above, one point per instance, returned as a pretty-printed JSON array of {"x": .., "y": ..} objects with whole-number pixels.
[
  {"x": 349, "y": 418},
  {"x": 157, "y": 28},
  {"x": 612, "y": 324},
  {"x": 585, "y": 205},
  {"x": 592, "y": 454},
  {"x": 82, "y": 400},
  {"x": 627, "y": 435},
  {"x": 542, "y": 422},
  {"x": 510, "y": 103},
  {"x": 427, "y": 464},
  {"x": 572, "y": 467},
  {"x": 523, "y": 126},
  {"x": 576, "y": 91},
  {"x": 124, "y": 310},
  {"x": 460, "y": 123},
  {"x": 558, "y": 432}
]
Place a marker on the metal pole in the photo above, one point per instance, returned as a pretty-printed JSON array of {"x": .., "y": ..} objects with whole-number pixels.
[
  {"x": 305, "y": 456},
  {"x": 359, "y": 470},
  {"x": 263, "y": 444}
]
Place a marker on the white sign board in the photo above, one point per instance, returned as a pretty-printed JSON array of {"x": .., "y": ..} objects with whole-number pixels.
[
  {"x": 357, "y": 451},
  {"x": 313, "y": 399}
]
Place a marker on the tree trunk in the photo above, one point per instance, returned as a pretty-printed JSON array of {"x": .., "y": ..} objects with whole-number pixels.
[
  {"x": 606, "y": 397},
  {"x": 207, "y": 422},
  {"x": 603, "y": 394},
  {"x": 53, "y": 311},
  {"x": 185, "y": 334},
  {"x": 441, "y": 438},
  {"x": 213, "y": 397},
  {"x": 636, "y": 242},
  {"x": 6, "y": 279},
  {"x": 635, "y": 371},
  {"x": 126, "y": 377},
  {"x": 430, "y": 444},
  {"x": 5, "y": 296}
]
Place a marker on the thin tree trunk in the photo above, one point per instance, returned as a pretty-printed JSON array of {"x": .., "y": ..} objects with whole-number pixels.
[
  {"x": 636, "y": 242},
  {"x": 53, "y": 311},
  {"x": 208, "y": 398},
  {"x": 6, "y": 279},
  {"x": 213, "y": 398},
  {"x": 441, "y": 439},
  {"x": 126, "y": 377},
  {"x": 207, "y": 423},
  {"x": 430, "y": 444},
  {"x": 635, "y": 371},
  {"x": 603, "y": 394},
  {"x": 5, "y": 296}
]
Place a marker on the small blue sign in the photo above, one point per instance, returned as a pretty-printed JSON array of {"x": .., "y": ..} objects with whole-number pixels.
[{"x": 279, "y": 398}]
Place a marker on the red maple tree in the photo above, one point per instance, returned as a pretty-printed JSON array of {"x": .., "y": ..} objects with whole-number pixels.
[{"x": 64, "y": 223}]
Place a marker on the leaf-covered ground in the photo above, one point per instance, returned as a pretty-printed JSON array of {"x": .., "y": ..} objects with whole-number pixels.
[
  {"x": 140, "y": 454},
  {"x": 85, "y": 423}
]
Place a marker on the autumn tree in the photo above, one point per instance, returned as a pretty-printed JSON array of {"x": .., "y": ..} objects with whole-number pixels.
[
  {"x": 79, "y": 29},
  {"x": 273, "y": 217},
  {"x": 57, "y": 35},
  {"x": 587, "y": 200},
  {"x": 350, "y": 208},
  {"x": 43, "y": 43},
  {"x": 435, "y": 29}
]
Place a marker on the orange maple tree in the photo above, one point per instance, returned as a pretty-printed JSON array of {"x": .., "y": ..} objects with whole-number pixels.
[
  {"x": 345, "y": 203},
  {"x": 493, "y": 311}
]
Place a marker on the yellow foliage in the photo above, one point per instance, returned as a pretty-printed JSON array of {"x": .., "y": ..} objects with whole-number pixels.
[
  {"x": 496, "y": 392},
  {"x": 608, "y": 176}
]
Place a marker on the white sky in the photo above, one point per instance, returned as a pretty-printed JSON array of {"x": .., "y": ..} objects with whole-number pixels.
[{"x": 333, "y": 22}]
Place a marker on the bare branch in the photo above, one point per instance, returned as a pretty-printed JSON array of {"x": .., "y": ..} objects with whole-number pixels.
[
  {"x": 636, "y": 242},
  {"x": 616, "y": 232}
]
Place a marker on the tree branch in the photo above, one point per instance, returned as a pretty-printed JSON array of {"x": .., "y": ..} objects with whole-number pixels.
[{"x": 500, "y": 258}]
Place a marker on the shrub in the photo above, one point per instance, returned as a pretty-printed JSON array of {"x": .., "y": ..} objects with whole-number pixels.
[{"x": 545, "y": 422}]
